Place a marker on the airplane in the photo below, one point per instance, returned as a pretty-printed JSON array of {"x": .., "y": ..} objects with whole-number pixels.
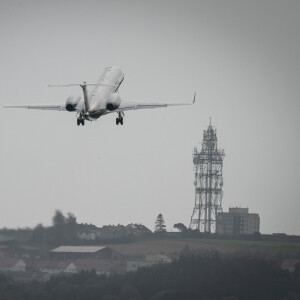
[{"x": 102, "y": 100}]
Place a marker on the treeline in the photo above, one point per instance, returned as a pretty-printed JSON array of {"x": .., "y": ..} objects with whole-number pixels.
[
  {"x": 190, "y": 277},
  {"x": 62, "y": 231},
  {"x": 66, "y": 231}
]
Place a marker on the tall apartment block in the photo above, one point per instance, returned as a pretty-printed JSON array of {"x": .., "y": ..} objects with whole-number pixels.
[{"x": 237, "y": 221}]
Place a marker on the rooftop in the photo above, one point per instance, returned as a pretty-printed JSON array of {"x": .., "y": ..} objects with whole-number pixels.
[{"x": 78, "y": 249}]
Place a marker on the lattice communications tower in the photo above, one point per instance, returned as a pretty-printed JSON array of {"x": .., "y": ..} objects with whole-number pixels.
[{"x": 208, "y": 166}]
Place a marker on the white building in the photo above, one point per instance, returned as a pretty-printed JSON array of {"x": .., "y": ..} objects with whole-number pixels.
[
  {"x": 77, "y": 252},
  {"x": 150, "y": 260},
  {"x": 56, "y": 267},
  {"x": 160, "y": 258},
  {"x": 13, "y": 265},
  {"x": 134, "y": 265}
]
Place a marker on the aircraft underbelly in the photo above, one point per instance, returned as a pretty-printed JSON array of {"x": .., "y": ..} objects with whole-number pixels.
[{"x": 96, "y": 114}]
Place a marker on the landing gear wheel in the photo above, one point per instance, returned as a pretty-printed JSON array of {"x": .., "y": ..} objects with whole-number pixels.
[
  {"x": 80, "y": 121},
  {"x": 119, "y": 120}
]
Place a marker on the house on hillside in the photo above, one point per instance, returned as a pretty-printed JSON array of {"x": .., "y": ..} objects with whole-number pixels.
[
  {"x": 138, "y": 230},
  {"x": 12, "y": 265},
  {"x": 134, "y": 265},
  {"x": 100, "y": 266},
  {"x": 160, "y": 258},
  {"x": 150, "y": 260},
  {"x": 56, "y": 267},
  {"x": 112, "y": 232},
  {"x": 25, "y": 252},
  {"x": 88, "y": 232},
  {"x": 79, "y": 252}
]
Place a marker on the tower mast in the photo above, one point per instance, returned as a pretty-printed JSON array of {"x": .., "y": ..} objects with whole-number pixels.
[{"x": 208, "y": 167}]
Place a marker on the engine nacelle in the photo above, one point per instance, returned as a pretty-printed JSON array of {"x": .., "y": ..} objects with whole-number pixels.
[
  {"x": 113, "y": 102},
  {"x": 72, "y": 102}
]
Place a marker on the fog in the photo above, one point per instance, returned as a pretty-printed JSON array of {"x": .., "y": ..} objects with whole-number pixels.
[{"x": 241, "y": 57}]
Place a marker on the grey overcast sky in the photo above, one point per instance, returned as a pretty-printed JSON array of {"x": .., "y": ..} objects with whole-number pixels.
[{"x": 242, "y": 58}]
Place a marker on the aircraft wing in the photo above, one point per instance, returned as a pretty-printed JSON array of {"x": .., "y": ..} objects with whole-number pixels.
[
  {"x": 40, "y": 107},
  {"x": 124, "y": 106}
]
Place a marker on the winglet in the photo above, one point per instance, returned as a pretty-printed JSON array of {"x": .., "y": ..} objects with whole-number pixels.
[{"x": 194, "y": 98}]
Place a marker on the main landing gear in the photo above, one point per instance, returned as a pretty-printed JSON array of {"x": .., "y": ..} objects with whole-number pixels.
[{"x": 119, "y": 120}]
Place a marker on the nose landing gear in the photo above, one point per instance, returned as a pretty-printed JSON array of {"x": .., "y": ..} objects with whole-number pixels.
[{"x": 80, "y": 120}]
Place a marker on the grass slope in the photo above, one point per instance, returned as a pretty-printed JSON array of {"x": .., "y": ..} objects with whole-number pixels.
[{"x": 173, "y": 247}]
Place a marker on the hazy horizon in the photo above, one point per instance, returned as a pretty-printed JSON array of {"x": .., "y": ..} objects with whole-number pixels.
[{"x": 242, "y": 58}]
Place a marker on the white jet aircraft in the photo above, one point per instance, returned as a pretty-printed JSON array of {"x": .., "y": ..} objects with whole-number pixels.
[{"x": 103, "y": 99}]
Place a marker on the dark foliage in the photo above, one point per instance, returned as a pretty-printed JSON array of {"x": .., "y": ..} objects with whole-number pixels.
[
  {"x": 160, "y": 226},
  {"x": 181, "y": 227},
  {"x": 63, "y": 231},
  {"x": 191, "y": 277}
]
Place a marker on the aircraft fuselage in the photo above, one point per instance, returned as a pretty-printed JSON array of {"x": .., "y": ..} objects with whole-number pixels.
[{"x": 102, "y": 94}]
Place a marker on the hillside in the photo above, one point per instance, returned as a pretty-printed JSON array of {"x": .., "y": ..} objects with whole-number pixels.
[{"x": 172, "y": 247}]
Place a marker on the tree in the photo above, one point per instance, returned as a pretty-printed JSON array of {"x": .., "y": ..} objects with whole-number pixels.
[
  {"x": 70, "y": 228},
  {"x": 38, "y": 235},
  {"x": 71, "y": 219},
  {"x": 160, "y": 226},
  {"x": 58, "y": 228},
  {"x": 58, "y": 219},
  {"x": 181, "y": 227}
]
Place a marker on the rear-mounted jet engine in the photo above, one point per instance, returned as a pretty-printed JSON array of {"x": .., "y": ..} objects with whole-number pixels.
[
  {"x": 72, "y": 102},
  {"x": 113, "y": 102}
]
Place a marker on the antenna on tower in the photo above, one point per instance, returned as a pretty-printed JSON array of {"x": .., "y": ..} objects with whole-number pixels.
[{"x": 208, "y": 167}]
